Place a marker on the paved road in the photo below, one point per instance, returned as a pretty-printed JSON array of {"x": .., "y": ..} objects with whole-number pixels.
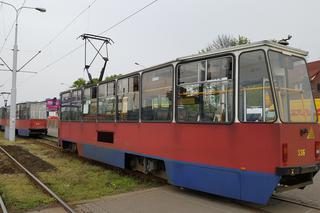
[{"x": 175, "y": 200}]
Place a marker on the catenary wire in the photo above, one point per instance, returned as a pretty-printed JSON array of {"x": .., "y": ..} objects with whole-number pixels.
[
  {"x": 24, "y": 2},
  {"x": 67, "y": 26},
  {"x": 6, "y": 39},
  {"x": 59, "y": 33},
  {"x": 78, "y": 47}
]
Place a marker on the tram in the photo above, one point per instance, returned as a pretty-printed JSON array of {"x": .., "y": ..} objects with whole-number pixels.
[
  {"x": 31, "y": 118},
  {"x": 2, "y": 118},
  {"x": 237, "y": 122}
]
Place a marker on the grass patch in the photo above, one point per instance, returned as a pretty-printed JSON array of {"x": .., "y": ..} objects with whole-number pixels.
[
  {"x": 19, "y": 193},
  {"x": 73, "y": 179}
]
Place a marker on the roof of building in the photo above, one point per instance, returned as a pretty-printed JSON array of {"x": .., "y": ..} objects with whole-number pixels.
[{"x": 313, "y": 69}]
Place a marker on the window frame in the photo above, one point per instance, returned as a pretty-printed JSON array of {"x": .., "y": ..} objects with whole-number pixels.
[
  {"x": 81, "y": 102},
  {"x": 275, "y": 102},
  {"x": 116, "y": 100},
  {"x": 90, "y": 117},
  {"x": 315, "y": 107},
  {"x": 173, "y": 96},
  {"x": 176, "y": 86},
  {"x": 61, "y": 106},
  {"x": 117, "y": 120}
]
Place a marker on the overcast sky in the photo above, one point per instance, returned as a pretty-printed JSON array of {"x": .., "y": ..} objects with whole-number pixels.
[{"x": 166, "y": 30}]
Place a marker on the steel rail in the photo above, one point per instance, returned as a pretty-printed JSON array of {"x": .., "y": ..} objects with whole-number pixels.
[
  {"x": 48, "y": 144},
  {"x": 3, "y": 207},
  {"x": 295, "y": 202},
  {"x": 64, "y": 204}
]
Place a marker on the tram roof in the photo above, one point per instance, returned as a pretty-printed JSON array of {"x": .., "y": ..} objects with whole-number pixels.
[
  {"x": 246, "y": 47},
  {"x": 253, "y": 45}
]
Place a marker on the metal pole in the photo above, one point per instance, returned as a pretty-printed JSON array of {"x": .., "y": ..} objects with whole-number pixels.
[{"x": 12, "y": 119}]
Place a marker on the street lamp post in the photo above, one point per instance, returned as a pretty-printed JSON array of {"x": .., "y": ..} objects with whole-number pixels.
[
  {"x": 13, "y": 100},
  {"x": 136, "y": 63},
  {"x": 63, "y": 84}
]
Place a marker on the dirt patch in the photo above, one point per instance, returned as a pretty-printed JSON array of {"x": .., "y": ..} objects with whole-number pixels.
[
  {"x": 6, "y": 165},
  {"x": 28, "y": 160}
]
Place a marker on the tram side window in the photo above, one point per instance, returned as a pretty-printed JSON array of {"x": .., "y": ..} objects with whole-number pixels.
[
  {"x": 65, "y": 106},
  {"x": 107, "y": 102},
  {"x": 256, "y": 102},
  {"x": 38, "y": 110},
  {"x": 90, "y": 103},
  {"x": 1, "y": 113},
  {"x": 75, "y": 106},
  {"x": 157, "y": 95},
  {"x": 205, "y": 91},
  {"x": 24, "y": 112},
  {"x": 128, "y": 99}
]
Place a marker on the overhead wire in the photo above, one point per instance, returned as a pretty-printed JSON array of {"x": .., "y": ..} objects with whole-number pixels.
[
  {"x": 67, "y": 26},
  {"x": 61, "y": 31},
  {"x": 103, "y": 32},
  {"x": 6, "y": 39},
  {"x": 128, "y": 17}
]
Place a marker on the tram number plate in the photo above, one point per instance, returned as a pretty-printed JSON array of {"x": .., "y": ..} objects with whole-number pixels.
[{"x": 301, "y": 152}]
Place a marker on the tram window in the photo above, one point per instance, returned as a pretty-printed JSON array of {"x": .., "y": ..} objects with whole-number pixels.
[
  {"x": 128, "y": 99},
  {"x": 38, "y": 110},
  {"x": 219, "y": 69},
  {"x": 89, "y": 109},
  {"x": 192, "y": 72},
  {"x": 255, "y": 95},
  {"x": 75, "y": 106},
  {"x": 207, "y": 100},
  {"x": 107, "y": 102},
  {"x": 157, "y": 95},
  {"x": 292, "y": 88},
  {"x": 65, "y": 106}
]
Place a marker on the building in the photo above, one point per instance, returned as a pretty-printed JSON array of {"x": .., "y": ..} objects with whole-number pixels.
[{"x": 314, "y": 75}]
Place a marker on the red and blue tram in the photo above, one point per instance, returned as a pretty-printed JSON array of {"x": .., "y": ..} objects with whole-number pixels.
[
  {"x": 238, "y": 122},
  {"x": 3, "y": 118},
  {"x": 31, "y": 118}
]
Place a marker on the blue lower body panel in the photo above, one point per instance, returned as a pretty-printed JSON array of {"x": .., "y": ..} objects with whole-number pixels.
[
  {"x": 242, "y": 185},
  {"x": 28, "y": 132},
  {"x": 108, "y": 156},
  {"x": 24, "y": 132}
]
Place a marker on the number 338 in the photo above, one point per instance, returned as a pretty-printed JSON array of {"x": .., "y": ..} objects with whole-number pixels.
[{"x": 301, "y": 152}]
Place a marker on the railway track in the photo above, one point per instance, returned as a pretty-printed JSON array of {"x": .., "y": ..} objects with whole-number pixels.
[
  {"x": 300, "y": 203},
  {"x": 3, "y": 207},
  {"x": 38, "y": 182},
  {"x": 49, "y": 141}
]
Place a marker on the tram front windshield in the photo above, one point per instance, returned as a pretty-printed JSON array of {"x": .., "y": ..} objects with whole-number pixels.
[{"x": 292, "y": 87}]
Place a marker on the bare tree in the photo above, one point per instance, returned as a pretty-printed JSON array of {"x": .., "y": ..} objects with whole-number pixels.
[{"x": 224, "y": 41}]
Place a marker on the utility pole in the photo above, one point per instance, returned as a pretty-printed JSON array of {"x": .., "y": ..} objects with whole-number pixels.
[{"x": 13, "y": 100}]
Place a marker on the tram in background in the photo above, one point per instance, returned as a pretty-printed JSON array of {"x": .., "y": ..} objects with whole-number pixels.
[
  {"x": 3, "y": 119},
  {"x": 238, "y": 122},
  {"x": 31, "y": 118}
]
